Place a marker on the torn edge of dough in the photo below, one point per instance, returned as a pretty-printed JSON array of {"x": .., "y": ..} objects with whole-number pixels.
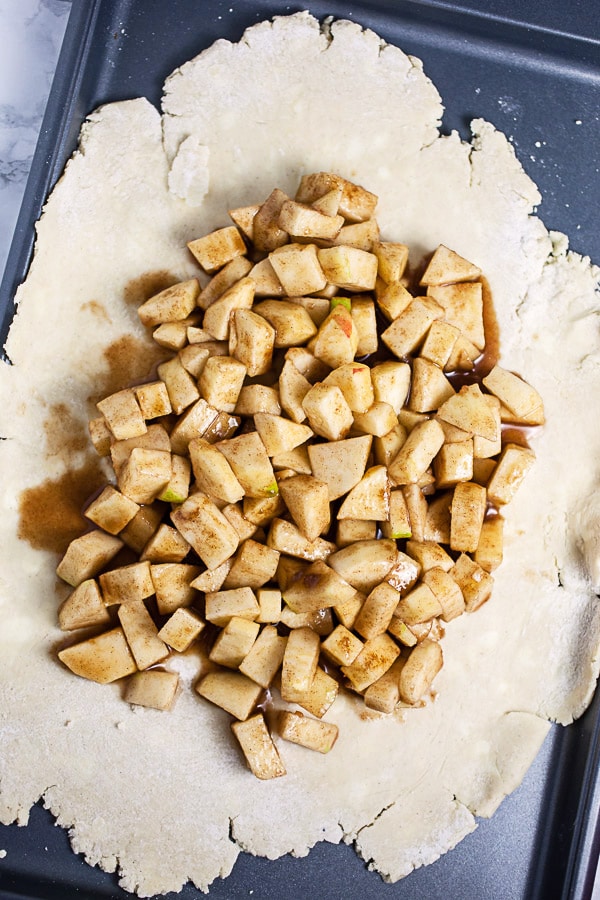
[{"x": 189, "y": 175}]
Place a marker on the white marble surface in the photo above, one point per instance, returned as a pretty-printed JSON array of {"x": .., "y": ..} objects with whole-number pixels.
[{"x": 31, "y": 33}]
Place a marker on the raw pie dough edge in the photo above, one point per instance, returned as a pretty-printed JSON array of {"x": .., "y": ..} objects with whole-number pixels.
[{"x": 487, "y": 169}]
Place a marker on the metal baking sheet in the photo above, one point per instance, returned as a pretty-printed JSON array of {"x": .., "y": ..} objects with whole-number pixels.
[{"x": 534, "y": 72}]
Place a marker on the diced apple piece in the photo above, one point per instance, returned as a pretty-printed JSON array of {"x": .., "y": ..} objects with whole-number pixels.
[
  {"x": 314, "y": 734},
  {"x": 536, "y": 417},
  {"x": 320, "y": 695},
  {"x": 293, "y": 387},
  {"x": 398, "y": 525},
  {"x": 232, "y": 691},
  {"x": 354, "y": 381},
  {"x": 376, "y": 657},
  {"x": 483, "y": 449},
  {"x": 362, "y": 235},
  {"x": 409, "y": 420},
  {"x": 469, "y": 502},
  {"x": 261, "y": 511},
  {"x": 392, "y": 299},
  {"x": 391, "y": 260},
  {"x": 429, "y": 555},
  {"x": 336, "y": 341},
  {"x": 155, "y": 438},
  {"x": 174, "y": 335},
  {"x": 251, "y": 341},
  {"x": 347, "y": 611},
  {"x": 296, "y": 460},
  {"x": 257, "y": 745},
  {"x": 123, "y": 414},
  {"x": 386, "y": 447},
  {"x": 365, "y": 563},
  {"x": 365, "y": 322},
  {"x": 378, "y": 420},
  {"x": 217, "y": 317},
  {"x": 165, "y": 545},
  {"x": 446, "y": 266},
  {"x": 127, "y": 584},
  {"x": 404, "y": 573},
  {"x": 181, "y": 629},
  {"x": 264, "y": 657},
  {"x": 391, "y": 383},
  {"x": 155, "y": 689},
  {"x": 470, "y": 411},
  {"x": 287, "y": 538},
  {"x": 278, "y": 434},
  {"x": 419, "y": 605},
  {"x": 111, "y": 511},
  {"x": 247, "y": 456},
  {"x": 351, "y": 530},
  {"x": 243, "y": 217},
  {"x": 180, "y": 385},
  {"x": 171, "y": 305},
  {"x": 463, "y": 308},
  {"x": 463, "y": 356},
  {"x": 349, "y": 268},
  {"x": 86, "y": 556},
  {"x": 222, "y": 427},
  {"x": 513, "y": 392},
  {"x": 370, "y": 498},
  {"x": 103, "y": 659},
  {"x": 377, "y": 611},
  {"x": 253, "y": 565},
  {"x": 212, "y": 472},
  {"x": 416, "y": 506},
  {"x": 405, "y": 635},
  {"x": 307, "y": 364},
  {"x": 297, "y": 268},
  {"x": 416, "y": 454},
  {"x": 141, "y": 634},
  {"x": 221, "y": 606},
  {"x": 475, "y": 583},
  {"x": 269, "y": 601},
  {"x": 205, "y": 527},
  {"x": 225, "y": 278},
  {"x": 307, "y": 499},
  {"x": 513, "y": 465},
  {"x": 316, "y": 587},
  {"x": 153, "y": 399},
  {"x": 437, "y": 524},
  {"x": 101, "y": 435},
  {"x": 300, "y": 661},
  {"x": 173, "y": 585},
  {"x": 267, "y": 233},
  {"x": 430, "y": 387},
  {"x": 145, "y": 474},
  {"x": 258, "y": 398},
  {"x": 454, "y": 435},
  {"x": 215, "y": 250},
  {"x": 221, "y": 382},
  {"x": 83, "y": 607},
  {"x": 439, "y": 343},
  {"x": 302, "y": 221},
  {"x": 234, "y": 642},
  {"x": 446, "y": 591},
  {"x": 489, "y": 549},
  {"x": 178, "y": 486},
  {"x": 194, "y": 423},
  {"x": 328, "y": 413},
  {"x": 266, "y": 282},
  {"x": 482, "y": 470},
  {"x": 419, "y": 670},
  {"x": 141, "y": 528},
  {"x": 341, "y": 646},
  {"x": 320, "y": 621},
  {"x": 340, "y": 465},
  {"x": 212, "y": 579},
  {"x": 329, "y": 202},
  {"x": 453, "y": 464},
  {"x": 356, "y": 203},
  {"x": 407, "y": 331}
]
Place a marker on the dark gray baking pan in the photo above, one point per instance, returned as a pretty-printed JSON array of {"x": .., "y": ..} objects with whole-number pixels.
[{"x": 534, "y": 72}]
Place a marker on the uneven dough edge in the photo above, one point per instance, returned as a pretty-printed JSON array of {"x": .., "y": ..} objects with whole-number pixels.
[{"x": 540, "y": 276}]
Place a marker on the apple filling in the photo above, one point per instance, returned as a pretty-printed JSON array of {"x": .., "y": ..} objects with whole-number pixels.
[{"x": 312, "y": 486}]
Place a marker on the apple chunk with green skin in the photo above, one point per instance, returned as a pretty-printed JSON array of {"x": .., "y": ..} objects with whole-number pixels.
[{"x": 247, "y": 456}]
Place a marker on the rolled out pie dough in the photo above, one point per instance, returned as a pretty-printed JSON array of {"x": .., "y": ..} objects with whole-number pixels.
[{"x": 162, "y": 797}]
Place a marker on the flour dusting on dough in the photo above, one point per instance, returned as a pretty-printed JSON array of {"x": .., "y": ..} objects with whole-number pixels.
[{"x": 165, "y": 798}]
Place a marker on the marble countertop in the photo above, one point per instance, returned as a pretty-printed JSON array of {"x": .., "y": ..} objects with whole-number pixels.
[{"x": 31, "y": 33}]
